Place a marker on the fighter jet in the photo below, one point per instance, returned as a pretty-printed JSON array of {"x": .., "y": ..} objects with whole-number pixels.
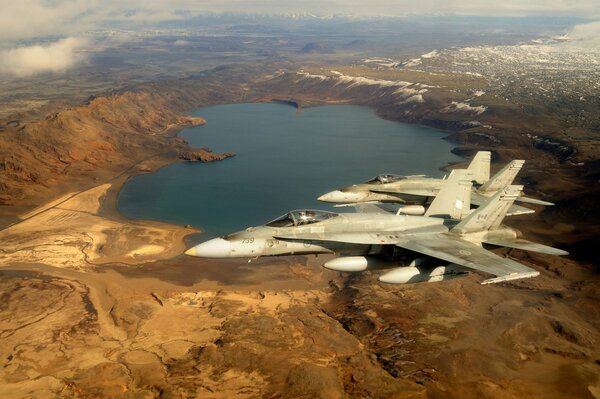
[
  {"x": 446, "y": 242},
  {"x": 414, "y": 191}
]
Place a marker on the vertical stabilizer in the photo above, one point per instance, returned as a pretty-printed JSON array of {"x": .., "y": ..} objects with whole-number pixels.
[
  {"x": 504, "y": 177},
  {"x": 454, "y": 197},
  {"x": 489, "y": 215},
  {"x": 480, "y": 166}
]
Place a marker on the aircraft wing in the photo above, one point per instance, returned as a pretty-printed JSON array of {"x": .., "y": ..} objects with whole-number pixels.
[
  {"x": 470, "y": 255},
  {"x": 527, "y": 246},
  {"x": 440, "y": 246}
]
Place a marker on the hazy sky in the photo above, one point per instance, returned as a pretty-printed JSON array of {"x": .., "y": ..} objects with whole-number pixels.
[
  {"x": 22, "y": 19},
  {"x": 23, "y": 23},
  {"x": 402, "y": 7}
]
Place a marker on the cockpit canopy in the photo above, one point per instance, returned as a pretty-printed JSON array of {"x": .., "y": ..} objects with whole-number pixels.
[
  {"x": 300, "y": 218},
  {"x": 384, "y": 179}
]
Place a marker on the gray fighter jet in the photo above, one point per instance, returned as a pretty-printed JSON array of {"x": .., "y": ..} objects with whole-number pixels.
[
  {"x": 414, "y": 191},
  {"x": 446, "y": 242}
]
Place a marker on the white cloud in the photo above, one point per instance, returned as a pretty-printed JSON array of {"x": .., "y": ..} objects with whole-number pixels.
[
  {"x": 56, "y": 57},
  {"x": 24, "y": 19},
  {"x": 585, "y": 34}
]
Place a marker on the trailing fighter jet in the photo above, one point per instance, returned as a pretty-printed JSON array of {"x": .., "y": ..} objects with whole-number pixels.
[
  {"x": 444, "y": 243},
  {"x": 416, "y": 190}
]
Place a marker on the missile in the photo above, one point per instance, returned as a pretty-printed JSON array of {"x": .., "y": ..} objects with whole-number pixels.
[
  {"x": 416, "y": 274},
  {"x": 356, "y": 263}
]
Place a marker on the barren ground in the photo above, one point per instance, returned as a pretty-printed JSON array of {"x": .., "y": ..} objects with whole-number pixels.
[
  {"x": 93, "y": 305},
  {"x": 89, "y": 308}
]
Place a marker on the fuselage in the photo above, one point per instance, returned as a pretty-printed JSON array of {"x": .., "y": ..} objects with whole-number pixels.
[
  {"x": 267, "y": 240},
  {"x": 409, "y": 190},
  {"x": 394, "y": 191}
]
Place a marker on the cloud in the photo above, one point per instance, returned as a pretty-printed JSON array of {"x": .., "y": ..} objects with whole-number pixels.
[
  {"x": 144, "y": 16},
  {"x": 585, "y": 34},
  {"x": 56, "y": 57},
  {"x": 24, "y": 19}
]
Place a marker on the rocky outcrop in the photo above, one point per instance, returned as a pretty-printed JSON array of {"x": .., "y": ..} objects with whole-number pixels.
[
  {"x": 204, "y": 155},
  {"x": 316, "y": 48}
]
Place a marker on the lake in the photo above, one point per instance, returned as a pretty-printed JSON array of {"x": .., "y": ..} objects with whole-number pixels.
[{"x": 285, "y": 160}]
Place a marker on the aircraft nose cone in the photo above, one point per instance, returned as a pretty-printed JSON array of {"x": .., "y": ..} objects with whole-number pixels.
[
  {"x": 335, "y": 196},
  {"x": 215, "y": 248}
]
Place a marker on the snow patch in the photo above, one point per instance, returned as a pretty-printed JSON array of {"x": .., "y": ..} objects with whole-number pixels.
[
  {"x": 431, "y": 54},
  {"x": 407, "y": 91},
  {"x": 464, "y": 107},
  {"x": 382, "y": 62},
  {"x": 368, "y": 60},
  {"x": 417, "y": 98},
  {"x": 412, "y": 63}
]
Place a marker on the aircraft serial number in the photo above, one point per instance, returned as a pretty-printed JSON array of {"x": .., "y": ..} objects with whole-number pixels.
[{"x": 247, "y": 240}]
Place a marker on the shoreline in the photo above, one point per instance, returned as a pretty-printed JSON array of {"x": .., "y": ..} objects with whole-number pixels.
[
  {"x": 96, "y": 230},
  {"x": 155, "y": 162},
  {"x": 109, "y": 203},
  {"x": 108, "y": 213}
]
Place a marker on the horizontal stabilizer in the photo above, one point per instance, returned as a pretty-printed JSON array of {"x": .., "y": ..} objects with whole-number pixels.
[
  {"x": 528, "y": 246},
  {"x": 534, "y": 201}
]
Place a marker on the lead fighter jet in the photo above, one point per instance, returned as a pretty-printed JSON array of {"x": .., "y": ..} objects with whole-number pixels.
[
  {"x": 444, "y": 243},
  {"x": 414, "y": 191}
]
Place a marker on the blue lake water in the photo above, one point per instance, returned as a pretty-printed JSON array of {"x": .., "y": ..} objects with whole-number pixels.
[{"x": 285, "y": 160}]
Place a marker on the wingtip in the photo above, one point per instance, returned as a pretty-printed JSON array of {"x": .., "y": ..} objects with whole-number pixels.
[{"x": 510, "y": 277}]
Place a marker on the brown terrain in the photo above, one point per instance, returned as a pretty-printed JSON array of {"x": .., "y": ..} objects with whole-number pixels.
[{"x": 94, "y": 305}]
